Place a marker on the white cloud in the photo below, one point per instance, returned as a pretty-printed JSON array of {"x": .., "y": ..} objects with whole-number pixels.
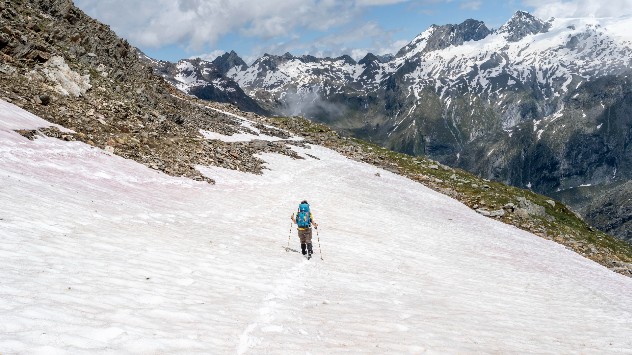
[
  {"x": 471, "y": 5},
  {"x": 393, "y": 47},
  {"x": 385, "y": 48},
  {"x": 378, "y": 2},
  {"x": 277, "y": 25},
  {"x": 580, "y": 8},
  {"x": 209, "y": 56},
  {"x": 367, "y": 30},
  {"x": 196, "y": 28},
  {"x": 197, "y": 23}
]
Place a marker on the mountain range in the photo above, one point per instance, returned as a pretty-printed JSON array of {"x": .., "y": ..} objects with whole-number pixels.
[{"x": 539, "y": 104}]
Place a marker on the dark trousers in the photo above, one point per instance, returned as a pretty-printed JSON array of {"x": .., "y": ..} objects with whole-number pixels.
[
  {"x": 305, "y": 235},
  {"x": 306, "y": 240}
]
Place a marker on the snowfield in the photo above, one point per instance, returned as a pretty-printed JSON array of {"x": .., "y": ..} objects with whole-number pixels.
[{"x": 99, "y": 254}]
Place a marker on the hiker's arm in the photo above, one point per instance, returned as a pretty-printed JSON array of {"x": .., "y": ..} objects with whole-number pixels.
[{"x": 293, "y": 219}]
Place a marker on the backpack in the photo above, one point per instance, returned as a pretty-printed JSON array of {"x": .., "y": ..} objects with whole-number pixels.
[{"x": 303, "y": 218}]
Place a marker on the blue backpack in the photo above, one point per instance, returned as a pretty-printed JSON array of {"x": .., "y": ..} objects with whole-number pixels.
[{"x": 303, "y": 219}]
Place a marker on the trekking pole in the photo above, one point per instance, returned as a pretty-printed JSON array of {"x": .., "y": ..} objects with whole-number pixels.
[
  {"x": 290, "y": 235},
  {"x": 319, "y": 249}
]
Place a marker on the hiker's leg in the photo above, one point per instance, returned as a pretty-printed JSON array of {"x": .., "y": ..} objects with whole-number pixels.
[
  {"x": 303, "y": 236},
  {"x": 308, "y": 241}
]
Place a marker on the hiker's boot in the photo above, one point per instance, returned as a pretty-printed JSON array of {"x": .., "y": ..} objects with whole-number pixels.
[
  {"x": 309, "y": 250},
  {"x": 303, "y": 248}
]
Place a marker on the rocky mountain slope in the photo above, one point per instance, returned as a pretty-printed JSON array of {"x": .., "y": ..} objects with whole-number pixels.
[
  {"x": 74, "y": 72},
  {"x": 543, "y": 105}
]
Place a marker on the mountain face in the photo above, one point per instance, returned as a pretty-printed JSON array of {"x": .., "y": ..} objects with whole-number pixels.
[
  {"x": 441, "y": 37},
  {"x": 206, "y": 80},
  {"x": 539, "y": 104},
  {"x": 227, "y": 61},
  {"x": 523, "y": 24}
]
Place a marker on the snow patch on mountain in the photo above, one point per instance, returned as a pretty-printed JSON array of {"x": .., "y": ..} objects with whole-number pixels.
[
  {"x": 273, "y": 72},
  {"x": 553, "y": 59},
  {"x": 186, "y": 77},
  {"x": 241, "y": 137}
]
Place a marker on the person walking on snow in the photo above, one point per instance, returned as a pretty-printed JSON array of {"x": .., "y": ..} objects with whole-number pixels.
[{"x": 304, "y": 220}]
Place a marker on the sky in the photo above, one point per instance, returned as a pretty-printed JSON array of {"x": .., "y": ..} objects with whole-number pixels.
[{"x": 177, "y": 29}]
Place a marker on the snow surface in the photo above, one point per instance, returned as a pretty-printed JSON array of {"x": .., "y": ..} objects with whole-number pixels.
[
  {"x": 102, "y": 255},
  {"x": 243, "y": 137},
  {"x": 238, "y": 137}
]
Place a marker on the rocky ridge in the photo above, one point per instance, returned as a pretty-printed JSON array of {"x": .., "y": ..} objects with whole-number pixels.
[
  {"x": 227, "y": 61},
  {"x": 442, "y": 37},
  {"x": 523, "y": 24},
  {"x": 205, "y": 80}
]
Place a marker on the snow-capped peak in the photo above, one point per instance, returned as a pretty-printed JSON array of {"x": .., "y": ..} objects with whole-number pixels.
[
  {"x": 418, "y": 44},
  {"x": 523, "y": 24},
  {"x": 441, "y": 37},
  {"x": 227, "y": 61}
]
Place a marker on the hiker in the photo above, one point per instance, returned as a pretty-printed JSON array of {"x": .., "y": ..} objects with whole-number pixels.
[{"x": 304, "y": 220}]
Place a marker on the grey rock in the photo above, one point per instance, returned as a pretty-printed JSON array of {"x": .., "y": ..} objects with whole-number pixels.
[
  {"x": 450, "y": 35},
  {"x": 530, "y": 207},
  {"x": 7, "y": 69},
  {"x": 521, "y": 213},
  {"x": 44, "y": 99},
  {"x": 484, "y": 212}
]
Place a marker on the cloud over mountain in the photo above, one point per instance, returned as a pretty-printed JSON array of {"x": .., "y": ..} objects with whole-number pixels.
[
  {"x": 580, "y": 8},
  {"x": 196, "y": 23}
]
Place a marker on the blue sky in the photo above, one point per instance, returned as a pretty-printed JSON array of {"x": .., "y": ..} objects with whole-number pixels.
[{"x": 176, "y": 29}]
